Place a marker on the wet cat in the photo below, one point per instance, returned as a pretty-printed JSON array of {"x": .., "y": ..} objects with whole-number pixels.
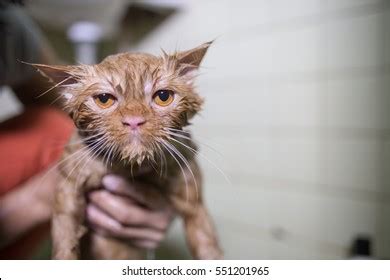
[{"x": 129, "y": 111}]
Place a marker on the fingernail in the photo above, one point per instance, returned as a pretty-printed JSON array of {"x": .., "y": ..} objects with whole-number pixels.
[
  {"x": 110, "y": 182},
  {"x": 114, "y": 224},
  {"x": 90, "y": 211}
]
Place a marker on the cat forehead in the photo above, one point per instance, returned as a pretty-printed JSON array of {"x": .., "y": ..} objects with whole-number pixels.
[
  {"x": 134, "y": 61},
  {"x": 129, "y": 72}
]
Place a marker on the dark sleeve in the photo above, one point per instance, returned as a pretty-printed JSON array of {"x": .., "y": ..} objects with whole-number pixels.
[{"x": 19, "y": 41}]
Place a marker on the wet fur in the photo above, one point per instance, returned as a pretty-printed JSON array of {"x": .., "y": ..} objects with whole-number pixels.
[{"x": 132, "y": 78}]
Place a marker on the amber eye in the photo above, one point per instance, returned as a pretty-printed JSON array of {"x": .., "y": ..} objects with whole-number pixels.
[
  {"x": 163, "y": 97},
  {"x": 104, "y": 100}
]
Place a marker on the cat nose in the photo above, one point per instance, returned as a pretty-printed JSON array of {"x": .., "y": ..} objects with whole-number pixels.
[{"x": 133, "y": 122}]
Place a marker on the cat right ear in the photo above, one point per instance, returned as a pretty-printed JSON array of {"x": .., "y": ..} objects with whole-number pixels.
[{"x": 59, "y": 74}]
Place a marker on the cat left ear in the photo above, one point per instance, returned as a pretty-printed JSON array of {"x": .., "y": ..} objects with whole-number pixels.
[{"x": 190, "y": 60}]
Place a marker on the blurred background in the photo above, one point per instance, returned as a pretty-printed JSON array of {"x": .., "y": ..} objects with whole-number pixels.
[{"x": 297, "y": 104}]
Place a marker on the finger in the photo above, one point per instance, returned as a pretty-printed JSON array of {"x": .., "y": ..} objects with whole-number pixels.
[
  {"x": 98, "y": 218},
  {"x": 128, "y": 213},
  {"x": 103, "y": 223},
  {"x": 148, "y": 196},
  {"x": 140, "y": 243},
  {"x": 145, "y": 244}
]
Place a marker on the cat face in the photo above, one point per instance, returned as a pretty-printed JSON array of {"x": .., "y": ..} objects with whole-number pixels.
[{"x": 128, "y": 103}]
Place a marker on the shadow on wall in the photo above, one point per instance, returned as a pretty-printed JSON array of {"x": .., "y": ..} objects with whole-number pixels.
[{"x": 134, "y": 22}]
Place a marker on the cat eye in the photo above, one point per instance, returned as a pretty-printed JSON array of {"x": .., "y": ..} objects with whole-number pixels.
[
  {"x": 104, "y": 100},
  {"x": 163, "y": 97}
]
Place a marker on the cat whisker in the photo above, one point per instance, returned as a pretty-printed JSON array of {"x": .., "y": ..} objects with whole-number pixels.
[
  {"x": 79, "y": 161},
  {"x": 53, "y": 87},
  {"x": 78, "y": 142},
  {"x": 104, "y": 153},
  {"x": 164, "y": 144},
  {"x": 131, "y": 171},
  {"x": 90, "y": 129},
  {"x": 152, "y": 164},
  {"x": 111, "y": 153},
  {"x": 99, "y": 148},
  {"x": 106, "y": 147},
  {"x": 62, "y": 161},
  {"x": 181, "y": 131},
  {"x": 93, "y": 156},
  {"x": 185, "y": 161},
  {"x": 195, "y": 141},
  {"x": 96, "y": 145},
  {"x": 163, "y": 160},
  {"x": 87, "y": 159},
  {"x": 203, "y": 156},
  {"x": 152, "y": 160},
  {"x": 55, "y": 100}
]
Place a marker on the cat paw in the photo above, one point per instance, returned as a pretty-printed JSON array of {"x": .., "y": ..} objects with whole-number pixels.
[
  {"x": 210, "y": 254},
  {"x": 65, "y": 256}
]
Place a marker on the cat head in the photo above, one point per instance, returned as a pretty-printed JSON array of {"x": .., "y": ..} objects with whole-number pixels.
[{"x": 131, "y": 102}]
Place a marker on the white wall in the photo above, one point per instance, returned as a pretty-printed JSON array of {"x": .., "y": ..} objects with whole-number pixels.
[
  {"x": 297, "y": 102},
  {"x": 9, "y": 104}
]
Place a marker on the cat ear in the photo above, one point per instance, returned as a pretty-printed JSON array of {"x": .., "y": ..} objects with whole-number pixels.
[
  {"x": 189, "y": 61},
  {"x": 59, "y": 74}
]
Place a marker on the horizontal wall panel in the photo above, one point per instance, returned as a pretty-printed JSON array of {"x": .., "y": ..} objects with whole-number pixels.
[
  {"x": 346, "y": 164},
  {"x": 361, "y": 102},
  {"x": 318, "y": 220}
]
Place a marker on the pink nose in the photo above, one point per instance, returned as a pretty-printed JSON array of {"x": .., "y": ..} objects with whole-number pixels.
[{"x": 133, "y": 122}]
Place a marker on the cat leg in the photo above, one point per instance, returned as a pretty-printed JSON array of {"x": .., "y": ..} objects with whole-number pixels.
[
  {"x": 200, "y": 232},
  {"x": 201, "y": 235},
  {"x": 67, "y": 221},
  {"x": 96, "y": 246}
]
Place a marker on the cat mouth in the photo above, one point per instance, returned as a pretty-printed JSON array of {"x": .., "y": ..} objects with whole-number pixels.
[
  {"x": 137, "y": 150},
  {"x": 135, "y": 138}
]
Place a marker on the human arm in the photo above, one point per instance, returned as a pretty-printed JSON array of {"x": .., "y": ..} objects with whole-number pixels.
[{"x": 26, "y": 207}]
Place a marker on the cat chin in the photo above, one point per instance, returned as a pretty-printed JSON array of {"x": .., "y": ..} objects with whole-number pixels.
[
  {"x": 138, "y": 154},
  {"x": 138, "y": 161}
]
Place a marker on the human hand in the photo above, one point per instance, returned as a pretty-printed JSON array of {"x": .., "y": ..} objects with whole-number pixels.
[{"x": 120, "y": 210}]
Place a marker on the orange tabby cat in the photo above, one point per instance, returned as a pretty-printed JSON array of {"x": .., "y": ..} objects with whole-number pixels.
[{"x": 130, "y": 110}]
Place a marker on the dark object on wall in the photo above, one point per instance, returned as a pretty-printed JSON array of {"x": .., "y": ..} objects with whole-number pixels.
[{"x": 361, "y": 247}]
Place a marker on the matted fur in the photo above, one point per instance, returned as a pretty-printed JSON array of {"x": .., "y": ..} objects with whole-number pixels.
[{"x": 103, "y": 144}]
